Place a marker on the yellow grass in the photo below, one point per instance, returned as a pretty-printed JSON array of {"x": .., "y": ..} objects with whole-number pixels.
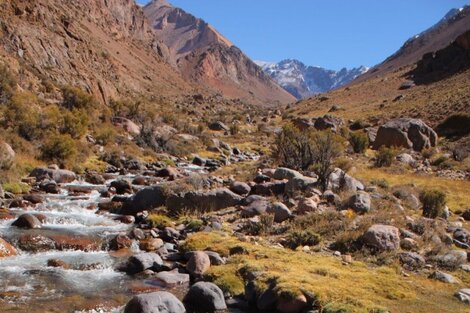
[
  {"x": 356, "y": 287},
  {"x": 458, "y": 192}
]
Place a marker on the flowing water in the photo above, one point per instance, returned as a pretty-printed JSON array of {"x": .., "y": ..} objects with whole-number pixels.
[{"x": 90, "y": 283}]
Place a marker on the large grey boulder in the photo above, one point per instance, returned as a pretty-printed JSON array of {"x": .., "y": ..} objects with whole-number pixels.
[
  {"x": 452, "y": 259},
  {"x": 281, "y": 212},
  {"x": 7, "y": 156},
  {"x": 155, "y": 302},
  {"x": 359, "y": 202},
  {"x": 204, "y": 201},
  {"x": 382, "y": 237},
  {"x": 240, "y": 188},
  {"x": 145, "y": 199},
  {"x": 340, "y": 180},
  {"x": 57, "y": 175},
  {"x": 300, "y": 184},
  {"x": 405, "y": 132},
  {"x": 204, "y": 297},
  {"x": 286, "y": 173}
]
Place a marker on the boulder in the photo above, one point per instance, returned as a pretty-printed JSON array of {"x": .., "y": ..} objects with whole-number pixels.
[
  {"x": 407, "y": 133},
  {"x": 302, "y": 183},
  {"x": 359, "y": 202},
  {"x": 143, "y": 261},
  {"x": 280, "y": 210},
  {"x": 206, "y": 201},
  {"x": 269, "y": 188},
  {"x": 129, "y": 126},
  {"x": 255, "y": 208},
  {"x": 340, "y": 180},
  {"x": 155, "y": 302},
  {"x": 411, "y": 260},
  {"x": 463, "y": 295},
  {"x": 122, "y": 186},
  {"x": 168, "y": 172},
  {"x": 7, "y": 156},
  {"x": 145, "y": 199},
  {"x": 94, "y": 178},
  {"x": 121, "y": 241},
  {"x": 452, "y": 259},
  {"x": 382, "y": 237},
  {"x": 240, "y": 188},
  {"x": 444, "y": 277},
  {"x": 57, "y": 175},
  {"x": 28, "y": 221},
  {"x": 6, "y": 249},
  {"x": 296, "y": 305},
  {"x": 172, "y": 278},
  {"x": 35, "y": 243},
  {"x": 328, "y": 122},
  {"x": 286, "y": 173},
  {"x": 218, "y": 126},
  {"x": 204, "y": 297},
  {"x": 308, "y": 205},
  {"x": 198, "y": 263},
  {"x": 406, "y": 158}
]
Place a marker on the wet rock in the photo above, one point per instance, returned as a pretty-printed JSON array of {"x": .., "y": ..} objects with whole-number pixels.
[
  {"x": 444, "y": 277},
  {"x": 126, "y": 219},
  {"x": 122, "y": 186},
  {"x": 57, "y": 175},
  {"x": 382, "y": 237},
  {"x": 406, "y": 132},
  {"x": 172, "y": 278},
  {"x": 33, "y": 198},
  {"x": 151, "y": 244},
  {"x": 6, "y": 249},
  {"x": 156, "y": 302},
  {"x": 240, "y": 188},
  {"x": 463, "y": 295},
  {"x": 198, "y": 263},
  {"x": 49, "y": 186},
  {"x": 57, "y": 263},
  {"x": 145, "y": 199},
  {"x": 75, "y": 242},
  {"x": 411, "y": 260},
  {"x": 140, "y": 181},
  {"x": 360, "y": 202},
  {"x": 120, "y": 242},
  {"x": 28, "y": 221},
  {"x": 204, "y": 297},
  {"x": 35, "y": 243},
  {"x": 207, "y": 201},
  {"x": 168, "y": 172},
  {"x": 20, "y": 203},
  {"x": 94, "y": 178},
  {"x": 7, "y": 156},
  {"x": 281, "y": 212},
  {"x": 143, "y": 261}
]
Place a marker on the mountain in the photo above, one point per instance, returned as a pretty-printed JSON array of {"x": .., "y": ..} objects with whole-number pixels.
[
  {"x": 205, "y": 56},
  {"x": 304, "y": 81},
  {"x": 437, "y": 37},
  {"x": 105, "y": 47}
]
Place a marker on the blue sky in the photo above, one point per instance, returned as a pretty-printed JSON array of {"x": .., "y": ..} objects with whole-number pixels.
[{"x": 328, "y": 33}]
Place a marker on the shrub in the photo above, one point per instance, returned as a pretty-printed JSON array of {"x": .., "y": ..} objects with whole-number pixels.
[
  {"x": 75, "y": 123},
  {"x": 385, "y": 157},
  {"x": 434, "y": 202},
  {"x": 75, "y": 98},
  {"x": 359, "y": 142},
  {"x": 8, "y": 83},
  {"x": 325, "y": 147},
  {"x": 234, "y": 129},
  {"x": 298, "y": 238},
  {"x": 105, "y": 135},
  {"x": 58, "y": 149}
]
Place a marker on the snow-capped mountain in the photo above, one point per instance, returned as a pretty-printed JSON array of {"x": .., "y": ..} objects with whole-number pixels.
[{"x": 303, "y": 81}]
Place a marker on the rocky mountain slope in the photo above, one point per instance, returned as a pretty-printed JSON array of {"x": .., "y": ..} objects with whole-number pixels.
[
  {"x": 203, "y": 55},
  {"x": 105, "y": 47},
  {"x": 304, "y": 81},
  {"x": 454, "y": 23}
]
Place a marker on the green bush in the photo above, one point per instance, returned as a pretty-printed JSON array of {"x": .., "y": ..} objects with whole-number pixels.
[
  {"x": 75, "y": 98},
  {"x": 298, "y": 238},
  {"x": 359, "y": 142},
  {"x": 58, "y": 149},
  {"x": 434, "y": 202},
  {"x": 105, "y": 135},
  {"x": 75, "y": 123},
  {"x": 385, "y": 157}
]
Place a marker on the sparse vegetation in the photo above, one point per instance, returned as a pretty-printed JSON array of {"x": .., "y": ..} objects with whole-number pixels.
[
  {"x": 58, "y": 149},
  {"x": 385, "y": 157},
  {"x": 359, "y": 142},
  {"x": 434, "y": 202}
]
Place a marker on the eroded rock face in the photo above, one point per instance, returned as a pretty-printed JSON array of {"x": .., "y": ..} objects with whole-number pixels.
[
  {"x": 382, "y": 237},
  {"x": 407, "y": 133},
  {"x": 156, "y": 302}
]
